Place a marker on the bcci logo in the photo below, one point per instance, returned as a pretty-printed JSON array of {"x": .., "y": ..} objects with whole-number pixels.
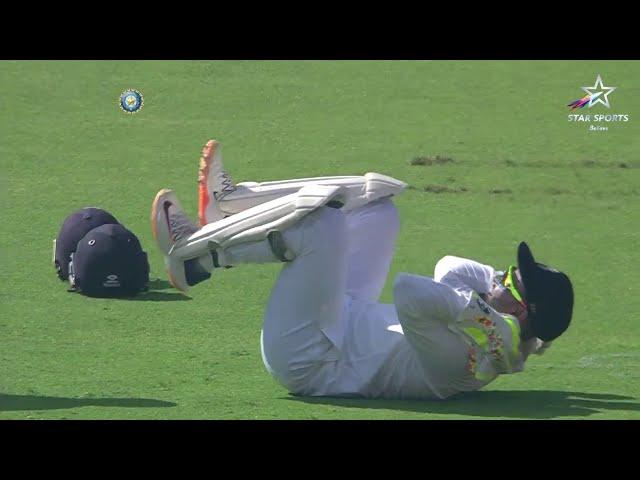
[
  {"x": 598, "y": 94},
  {"x": 131, "y": 101}
]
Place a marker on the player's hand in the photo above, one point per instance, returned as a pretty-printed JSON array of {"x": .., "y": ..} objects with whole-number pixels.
[{"x": 542, "y": 347}]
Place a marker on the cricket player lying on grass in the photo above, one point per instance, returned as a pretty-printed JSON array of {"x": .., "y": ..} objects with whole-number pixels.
[{"x": 324, "y": 332}]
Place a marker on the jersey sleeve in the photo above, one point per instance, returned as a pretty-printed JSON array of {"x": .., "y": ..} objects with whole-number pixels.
[
  {"x": 420, "y": 299},
  {"x": 460, "y": 272}
]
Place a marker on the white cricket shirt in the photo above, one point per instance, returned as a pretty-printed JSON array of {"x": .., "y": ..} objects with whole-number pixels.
[{"x": 437, "y": 339}]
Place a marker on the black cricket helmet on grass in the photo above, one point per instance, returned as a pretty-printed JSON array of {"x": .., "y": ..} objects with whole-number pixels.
[
  {"x": 99, "y": 256},
  {"x": 548, "y": 294},
  {"x": 110, "y": 262},
  {"x": 74, "y": 227}
]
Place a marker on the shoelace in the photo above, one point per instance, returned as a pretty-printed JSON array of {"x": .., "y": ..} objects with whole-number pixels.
[
  {"x": 181, "y": 227},
  {"x": 227, "y": 183},
  {"x": 227, "y": 186}
]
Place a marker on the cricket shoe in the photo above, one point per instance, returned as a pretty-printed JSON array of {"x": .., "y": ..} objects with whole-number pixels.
[
  {"x": 214, "y": 183},
  {"x": 170, "y": 227}
]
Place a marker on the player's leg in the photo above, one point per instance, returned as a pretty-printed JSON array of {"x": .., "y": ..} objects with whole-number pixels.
[
  {"x": 306, "y": 311},
  {"x": 305, "y": 314},
  {"x": 372, "y": 220},
  {"x": 371, "y": 231},
  {"x": 219, "y": 197},
  {"x": 186, "y": 251},
  {"x": 302, "y": 324}
]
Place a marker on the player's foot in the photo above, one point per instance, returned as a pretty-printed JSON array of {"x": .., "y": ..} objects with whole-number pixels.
[
  {"x": 214, "y": 183},
  {"x": 170, "y": 225}
]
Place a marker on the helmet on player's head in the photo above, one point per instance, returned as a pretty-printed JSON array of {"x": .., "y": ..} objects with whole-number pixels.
[{"x": 548, "y": 295}]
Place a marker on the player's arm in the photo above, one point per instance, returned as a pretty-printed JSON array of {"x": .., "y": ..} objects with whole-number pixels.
[
  {"x": 460, "y": 272},
  {"x": 535, "y": 346},
  {"x": 420, "y": 300}
]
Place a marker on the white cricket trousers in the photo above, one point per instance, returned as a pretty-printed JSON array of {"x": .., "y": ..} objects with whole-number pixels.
[{"x": 339, "y": 256}]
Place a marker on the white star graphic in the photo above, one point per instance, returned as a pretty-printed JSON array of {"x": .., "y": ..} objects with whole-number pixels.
[{"x": 597, "y": 92}]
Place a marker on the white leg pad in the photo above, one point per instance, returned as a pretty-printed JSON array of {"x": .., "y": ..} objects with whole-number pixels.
[
  {"x": 376, "y": 186},
  {"x": 359, "y": 190},
  {"x": 254, "y": 224}
]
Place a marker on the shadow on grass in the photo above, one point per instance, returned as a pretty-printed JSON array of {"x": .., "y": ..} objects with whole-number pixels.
[
  {"x": 155, "y": 295},
  {"x": 532, "y": 404},
  {"x": 32, "y": 402},
  {"x": 158, "y": 297},
  {"x": 159, "y": 284}
]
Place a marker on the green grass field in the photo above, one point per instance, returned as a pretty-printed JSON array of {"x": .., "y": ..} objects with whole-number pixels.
[{"x": 519, "y": 170}]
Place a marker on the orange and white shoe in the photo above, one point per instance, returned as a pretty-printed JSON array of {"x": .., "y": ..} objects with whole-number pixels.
[
  {"x": 170, "y": 226},
  {"x": 214, "y": 183}
]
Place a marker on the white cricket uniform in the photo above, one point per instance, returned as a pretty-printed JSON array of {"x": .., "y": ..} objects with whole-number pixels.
[{"x": 325, "y": 334}]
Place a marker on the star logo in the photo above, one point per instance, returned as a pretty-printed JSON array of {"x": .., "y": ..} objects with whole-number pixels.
[
  {"x": 599, "y": 93},
  {"x": 599, "y": 122}
]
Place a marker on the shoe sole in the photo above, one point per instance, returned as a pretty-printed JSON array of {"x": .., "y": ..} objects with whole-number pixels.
[
  {"x": 208, "y": 152},
  {"x": 154, "y": 213},
  {"x": 154, "y": 229}
]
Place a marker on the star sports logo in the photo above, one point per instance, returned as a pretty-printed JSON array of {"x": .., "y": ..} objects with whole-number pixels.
[
  {"x": 596, "y": 94},
  {"x": 598, "y": 122}
]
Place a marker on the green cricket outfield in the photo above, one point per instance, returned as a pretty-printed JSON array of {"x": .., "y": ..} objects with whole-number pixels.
[{"x": 510, "y": 167}]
